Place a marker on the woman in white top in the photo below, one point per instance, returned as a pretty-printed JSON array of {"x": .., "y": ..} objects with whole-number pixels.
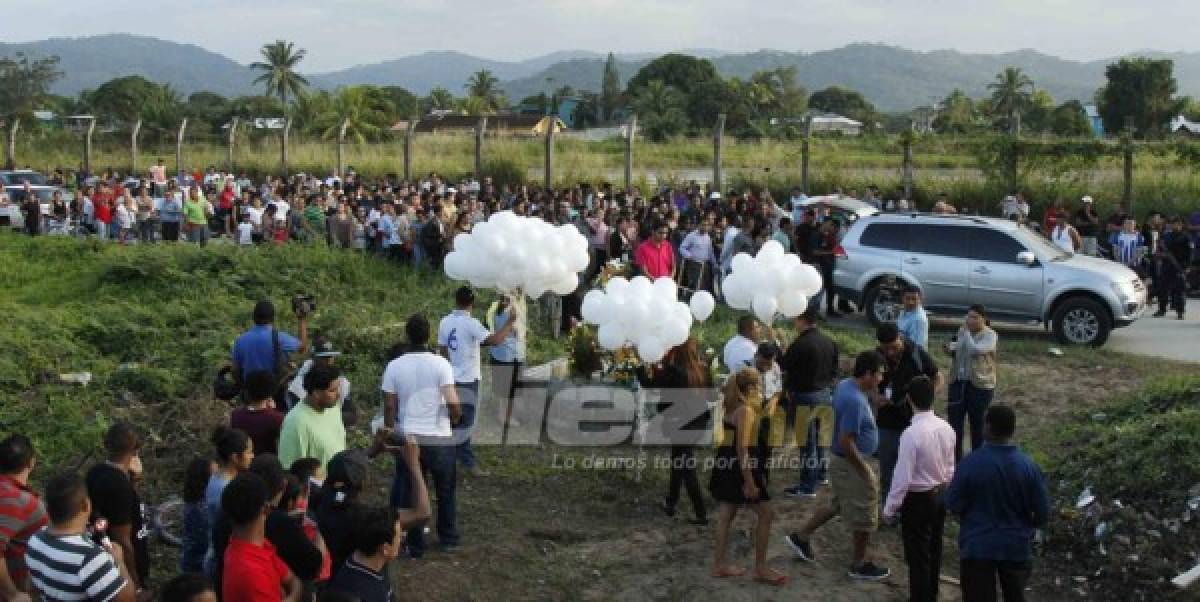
[{"x": 1066, "y": 236}]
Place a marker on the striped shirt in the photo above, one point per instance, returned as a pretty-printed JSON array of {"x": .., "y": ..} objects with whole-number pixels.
[
  {"x": 21, "y": 515},
  {"x": 71, "y": 567},
  {"x": 1127, "y": 248}
]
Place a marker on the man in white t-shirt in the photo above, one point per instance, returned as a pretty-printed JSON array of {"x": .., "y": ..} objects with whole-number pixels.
[
  {"x": 739, "y": 351},
  {"x": 419, "y": 400},
  {"x": 459, "y": 337}
]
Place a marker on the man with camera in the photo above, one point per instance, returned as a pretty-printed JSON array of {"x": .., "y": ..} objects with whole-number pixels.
[{"x": 263, "y": 347}]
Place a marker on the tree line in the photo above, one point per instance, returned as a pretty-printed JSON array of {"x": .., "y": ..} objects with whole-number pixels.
[{"x": 672, "y": 95}]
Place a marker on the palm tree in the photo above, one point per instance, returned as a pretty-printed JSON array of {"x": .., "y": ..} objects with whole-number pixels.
[
  {"x": 439, "y": 99},
  {"x": 365, "y": 107},
  {"x": 483, "y": 84},
  {"x": 280, "y": 78},
  {"x": 659, "y": 108},
  {"x": 1011, "y": 93}
]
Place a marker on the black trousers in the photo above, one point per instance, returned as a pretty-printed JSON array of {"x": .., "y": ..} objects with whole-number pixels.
[
  {"x": 683, "y": 474},
  {"x": 922, "y": 518},
  {"x": 979, "y": 577},
  {"x": 1170, "y": 285}
]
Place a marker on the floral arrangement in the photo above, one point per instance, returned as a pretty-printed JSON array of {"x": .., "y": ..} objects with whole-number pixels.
[
  {"x": 587, "y": 358},
  {"x": 613, "y": 268}
]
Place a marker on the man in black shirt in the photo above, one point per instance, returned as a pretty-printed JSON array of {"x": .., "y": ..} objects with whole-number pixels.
[
  {"x": 378, "y": 538},
  {"x": 810, "y": 369},
  {"x": 110, "y": 486},
  {"x": 905, "y": 361},
  {"x": 1087, "y": 223}
]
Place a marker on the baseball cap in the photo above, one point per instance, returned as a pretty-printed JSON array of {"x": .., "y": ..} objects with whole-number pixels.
[
  {"x": 347, "y": 471},
  {"x": 1087, "y": 199},
  {"x": 323, "y": 347},
  {"x": 715, "y": 196}
]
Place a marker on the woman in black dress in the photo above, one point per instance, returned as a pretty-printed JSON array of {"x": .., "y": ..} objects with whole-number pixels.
[
  {"x": 683, "y": 385},
  {"x": 739, "y": 479}
]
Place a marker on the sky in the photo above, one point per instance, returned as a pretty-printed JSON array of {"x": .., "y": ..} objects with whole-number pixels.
[{"x": 343, "y": 33}]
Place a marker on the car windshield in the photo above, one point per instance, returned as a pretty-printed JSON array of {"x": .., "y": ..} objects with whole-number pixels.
[
  {"x": 17, "y": 194},
  {"x": 18, "y": 178},
  {"x": 1041, "y": 245}
]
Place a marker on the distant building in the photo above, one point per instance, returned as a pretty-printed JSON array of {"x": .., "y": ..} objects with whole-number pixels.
[
  {"x": 262, "y": 123},
  {"x": 923, "y": 118},
  {"x": 1181, "y": 127},
  {"x": 825, "y": 123},
  {"x": 1093, "y": 115},
  {"x": 517, "y": 125}
]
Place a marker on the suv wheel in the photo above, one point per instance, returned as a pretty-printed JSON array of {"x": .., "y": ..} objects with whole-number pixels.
[
  {"x": 1081, "y": 321},
  {"x": 882, "y": 303}
]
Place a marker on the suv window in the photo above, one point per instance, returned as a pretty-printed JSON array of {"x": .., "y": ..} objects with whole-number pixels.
[
  {"x": 946, "y": 241},
  {"x": 886, "y": 236},
  {"x": 994, "y": 246}
]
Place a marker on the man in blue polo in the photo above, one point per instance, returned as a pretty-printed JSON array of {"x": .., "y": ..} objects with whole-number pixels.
[{"x": 255, "y": 348}]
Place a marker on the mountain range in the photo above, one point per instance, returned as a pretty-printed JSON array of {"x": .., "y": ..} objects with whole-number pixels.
[{"x": 894, "y": 79}]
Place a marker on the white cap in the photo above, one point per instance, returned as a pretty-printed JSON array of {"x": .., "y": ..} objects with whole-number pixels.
[
  {"x": 1087, "y": 199},
  {"x": 714, "y": 196}
]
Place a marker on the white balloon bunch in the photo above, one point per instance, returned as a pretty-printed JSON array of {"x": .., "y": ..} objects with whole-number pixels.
[
  {"x": 637, "y": 312},
  {"x": 510, "y": 253},
  {"x": 772, "y": 282}
]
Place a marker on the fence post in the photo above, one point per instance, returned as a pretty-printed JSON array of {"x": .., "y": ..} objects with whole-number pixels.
[
  {"x": 10, "y": 157},
  {"x": 233, "y": 126},
  {"x": 630, "y": 133},
  {"x": 87, "y": 145},
  {"x": 408, "y": 136},
  {"x": 551, "y": 122},
  {"x": 1127, "y": 152},
  {"x": 807, "y": 132},
  {"x": 907, "y": 139},
  {"x": 179, "y": 145},
  {"x": 718, "y": 133},
  {"x": 480, "y": 126},
  {"x": 133, "y": 149},
  {"x": 341, "y": 149},
  {"x": 283, "y": 150}
]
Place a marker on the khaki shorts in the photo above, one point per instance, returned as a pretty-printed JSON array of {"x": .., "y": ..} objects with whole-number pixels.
[{"x": 855, "y": 500}]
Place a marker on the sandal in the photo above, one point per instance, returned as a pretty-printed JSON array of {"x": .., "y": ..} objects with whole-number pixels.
[{"x": 774, "y": 579}]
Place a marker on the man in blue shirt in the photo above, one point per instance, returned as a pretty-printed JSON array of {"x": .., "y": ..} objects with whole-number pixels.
[
  {"x": 255, "y": 349},
  {"x": 912, "y": 322},
  {"x": 855, "y": 485},
  {"x": 1000, "y": 497}
]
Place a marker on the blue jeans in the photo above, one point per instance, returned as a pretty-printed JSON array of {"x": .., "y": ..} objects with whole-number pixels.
[
  {"x": 815, "y": 467},
  {"x": 468, "y": 397},
  {"x": 437, "y": 457},
  {"x": 967, "y": 402}
]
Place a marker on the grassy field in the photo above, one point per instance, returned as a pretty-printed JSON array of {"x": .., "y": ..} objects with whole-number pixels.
[{"x": 153, "y": 323}]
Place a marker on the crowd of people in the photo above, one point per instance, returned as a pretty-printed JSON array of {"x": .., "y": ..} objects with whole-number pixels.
[{"x": 276, "y": 512}]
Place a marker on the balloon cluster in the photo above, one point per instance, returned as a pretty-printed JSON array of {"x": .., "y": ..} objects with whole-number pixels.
[
  {"x": 772, "y": 282},
  {"x": 640, "y": 313},
  {"x": 513, "y": 253}
]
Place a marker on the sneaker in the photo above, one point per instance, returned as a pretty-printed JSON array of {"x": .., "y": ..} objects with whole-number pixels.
[
  {"x": 799, "y": 491},
  {"x": 867, "y": 571},
  {"x": 801, "y": 547}
]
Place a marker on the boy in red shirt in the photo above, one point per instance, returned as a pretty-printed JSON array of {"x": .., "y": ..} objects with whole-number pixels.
[{"x": 252, "y": 570}]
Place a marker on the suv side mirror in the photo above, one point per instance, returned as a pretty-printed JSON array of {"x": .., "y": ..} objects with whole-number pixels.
[{"x": 1026, "y": 258}]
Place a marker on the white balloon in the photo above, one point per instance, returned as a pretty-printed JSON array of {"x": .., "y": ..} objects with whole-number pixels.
[
  {"x": 566, "y": 284},
  {"x": 771, "y": 250},
  {"x": 666, "y": 288},
  {"x": 616, "y": 286},
  {"x": 738, "y": 291},
  {"x": 594, "y": 308},
  {"x": 675, "y": 331},
  {"x": 610, "y": 336},
  {"x": 764, "y": 308},
  {"x": 640, "y": 286},
  {"x": 742, "y": 262},
  {"x": 464, "y": 241},
  {"x": 455, "y": 265},
  {"x": 635, "y": 315},
  {"x": 651, "y": 349},
  {"x": 792, "y": 304},
  {"x": 702, "y": 305},
  {"x": 810, "y": 280}
]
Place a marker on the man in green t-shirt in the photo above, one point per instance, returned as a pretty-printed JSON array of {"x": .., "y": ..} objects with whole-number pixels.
[{"x": 314, "y": 428}]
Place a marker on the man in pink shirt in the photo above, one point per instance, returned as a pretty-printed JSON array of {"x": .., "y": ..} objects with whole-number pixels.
[
  {"x": 655, "y": 256},
  {"x": 923, "y": 471}
]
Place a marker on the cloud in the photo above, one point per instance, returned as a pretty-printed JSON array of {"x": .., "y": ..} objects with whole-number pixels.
[{"x": 348, "y": 32}]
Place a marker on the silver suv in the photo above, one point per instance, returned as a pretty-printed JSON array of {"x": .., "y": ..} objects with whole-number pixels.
[{"x": 959, "y": 261}]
